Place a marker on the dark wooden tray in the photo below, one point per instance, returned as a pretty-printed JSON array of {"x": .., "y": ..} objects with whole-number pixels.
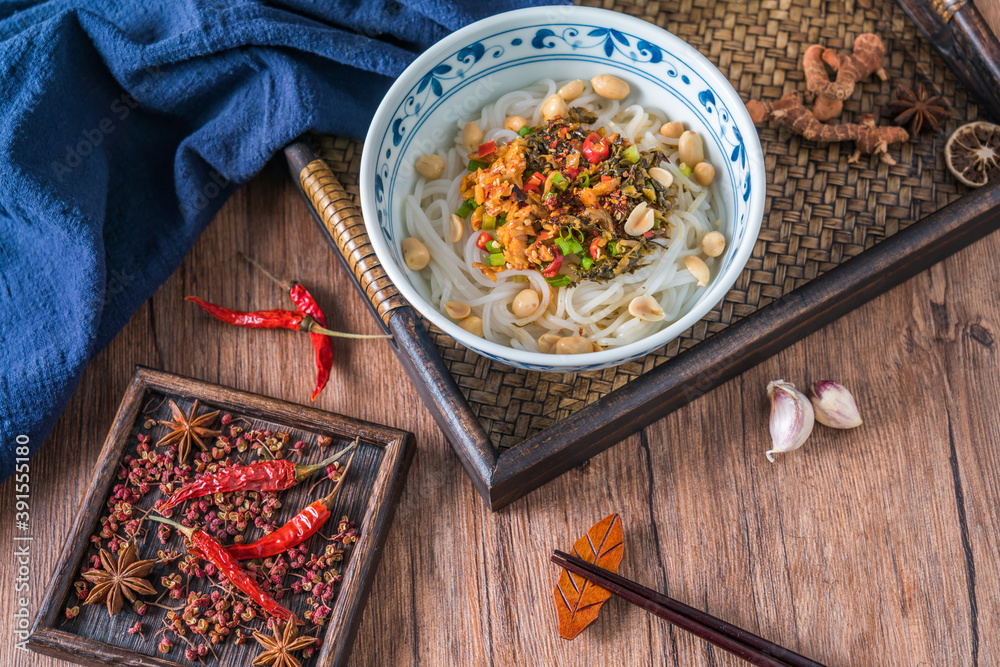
[
  {"x": 369, "y": 497},
  {"x": 833, "y": 237}
]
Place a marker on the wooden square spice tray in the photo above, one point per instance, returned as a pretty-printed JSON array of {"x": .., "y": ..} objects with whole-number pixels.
[
  {"x": 368, "y": 497},
  {"x": 834, "y": 235}
]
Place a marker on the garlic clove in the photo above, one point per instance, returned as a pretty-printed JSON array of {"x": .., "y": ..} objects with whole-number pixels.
[
  {"x": 833, "y": 404},
  {"x": 792, "y": 418}
]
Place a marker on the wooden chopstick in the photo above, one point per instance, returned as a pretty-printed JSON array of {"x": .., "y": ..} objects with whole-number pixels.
[{"x": 750, "y": 647}]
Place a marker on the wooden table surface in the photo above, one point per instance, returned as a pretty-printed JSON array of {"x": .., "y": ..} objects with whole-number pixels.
[{"x": 873, "y": 546}]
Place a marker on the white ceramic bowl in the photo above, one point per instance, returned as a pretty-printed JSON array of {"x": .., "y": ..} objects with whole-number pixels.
[{"x": 454, "y": 79}]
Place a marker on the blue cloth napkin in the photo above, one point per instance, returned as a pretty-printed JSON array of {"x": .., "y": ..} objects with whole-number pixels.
[{"x": 124, "y": 126}]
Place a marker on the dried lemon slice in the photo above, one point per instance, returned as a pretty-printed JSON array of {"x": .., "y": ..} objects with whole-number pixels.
[{"x": 973, "y": 154}]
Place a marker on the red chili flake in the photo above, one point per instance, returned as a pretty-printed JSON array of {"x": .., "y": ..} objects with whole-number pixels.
[
  {"x": 551, "y": 270},
  {"x": 595, "y": 248},
  {"x": 487, "y": 148},
  {"x": 534, "y": 183}
]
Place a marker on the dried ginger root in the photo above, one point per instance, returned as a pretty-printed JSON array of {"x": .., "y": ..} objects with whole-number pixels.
[
  {"x": 814, "y": 66},
  {"x": 865, "y": 60},
  {"x": 790, "y": 111}
]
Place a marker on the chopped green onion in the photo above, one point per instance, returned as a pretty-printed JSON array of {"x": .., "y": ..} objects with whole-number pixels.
[
  {"x": 570, "y": 240},
  {"x": 477, "y": 164},
  {"x": 525, "y": 130},
  {"x": 467, "y": 207},
  {"x": 496, "y": 259},
  {"x": 584, "y": 180},
  {"x": 559, "y": 180},
  {"x": 631, "y": 154},
  {"x": 564, "y": 246},
  {"x": 577, "y": 234},
  {"x": 489, "y": 222},
  {"x": 559, "y": 281},
  {"x": 568, "y": 246},
  {"x": 493, "y": 247},
  {"x": 613, "y": 248},
  {"x": 686, "y": 170},
  {"x": 501, "y": 220},
  {"x": 586, "y": 263}
]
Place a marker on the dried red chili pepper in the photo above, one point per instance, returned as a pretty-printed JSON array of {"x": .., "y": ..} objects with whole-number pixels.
[
  {"x": 275, "y": 475},
  {"x": 258, "y": 319},
  {"x": 299, "y": 528},
  {"x": 307, "y": 304},
  {"x": 206, "y": 547},
  {"x": 271, "y": 319}
]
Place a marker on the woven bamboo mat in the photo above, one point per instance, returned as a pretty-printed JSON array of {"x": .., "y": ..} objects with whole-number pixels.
[{"x": 819, "y": 212}]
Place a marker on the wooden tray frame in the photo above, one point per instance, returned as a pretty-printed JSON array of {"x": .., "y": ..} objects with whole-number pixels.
[
  {"x": 362, "y": 563},
  {"x": 501, "y": 478}
]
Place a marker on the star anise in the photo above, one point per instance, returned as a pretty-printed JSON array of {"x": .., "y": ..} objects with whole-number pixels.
[
  {"x": 279, "y": 648},
  {"x": 185, "y": 429},
  {"x": 919, "y": 110},
  {"x": 119, "y": 580}
]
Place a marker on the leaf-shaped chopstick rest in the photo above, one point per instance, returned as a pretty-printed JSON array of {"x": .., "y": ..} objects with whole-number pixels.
[{"x": 577, "y": 600}]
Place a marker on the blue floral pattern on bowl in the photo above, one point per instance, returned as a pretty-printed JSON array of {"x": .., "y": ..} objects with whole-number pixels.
[{"x": 581, "y": 41}]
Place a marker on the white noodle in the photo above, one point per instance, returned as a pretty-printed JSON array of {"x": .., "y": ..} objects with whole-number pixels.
[{"x": 597, "y": 311}]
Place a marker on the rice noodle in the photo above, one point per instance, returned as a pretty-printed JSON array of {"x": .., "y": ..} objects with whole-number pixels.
[{"x": 595, "y": 310}]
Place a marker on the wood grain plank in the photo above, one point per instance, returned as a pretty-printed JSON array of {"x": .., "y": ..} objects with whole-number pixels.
[
  {"x": 850, "y": 551},
  {"x": 990, "y": 10}
]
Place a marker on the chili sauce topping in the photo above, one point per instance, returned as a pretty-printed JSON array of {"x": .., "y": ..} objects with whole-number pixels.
[{"x": 558, "y": 200}]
